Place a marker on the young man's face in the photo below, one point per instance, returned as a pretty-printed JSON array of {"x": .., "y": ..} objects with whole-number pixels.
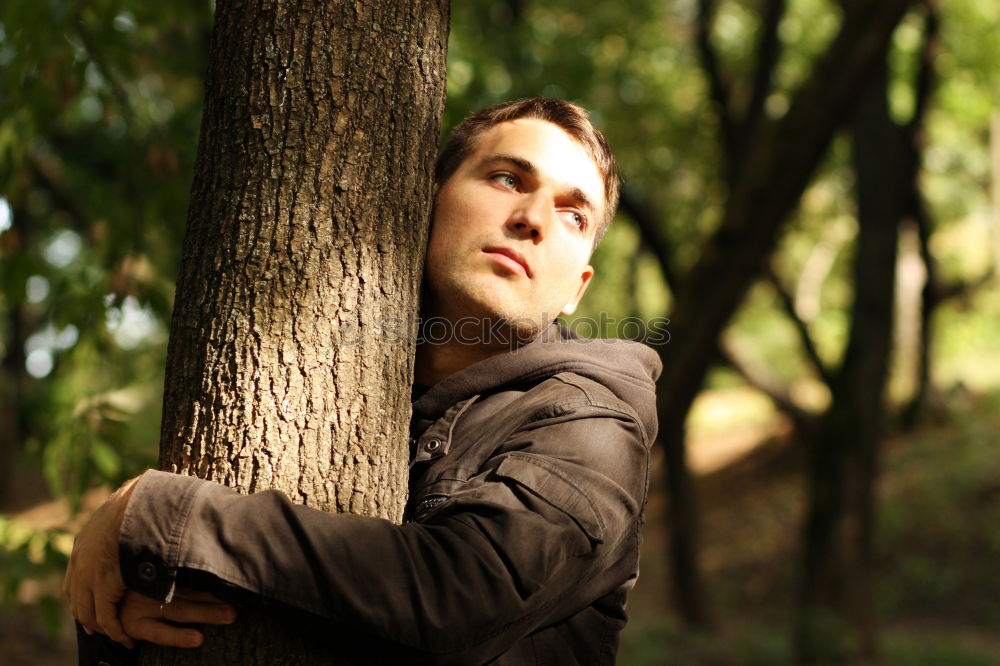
[{"x": 513, "y": 228}]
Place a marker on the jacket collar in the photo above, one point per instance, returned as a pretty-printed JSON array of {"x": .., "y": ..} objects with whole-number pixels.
[{"x": 628, "y": 369}]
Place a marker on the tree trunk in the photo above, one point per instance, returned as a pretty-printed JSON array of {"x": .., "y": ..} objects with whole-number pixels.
[
  {"x": 290, "y": 356},
  {"x": 995, "y": 191},
  {"x": 13, "y": 376},
  {"x": 836, "y": 620},
  {"x": 11, "y": 405},
  {"x": 779, "y": 161},
  {"x": 926, "y": 83}
]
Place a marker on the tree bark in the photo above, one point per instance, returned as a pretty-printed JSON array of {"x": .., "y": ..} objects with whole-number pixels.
[
  {"x": 779, "y": 162},
  {"x": 291, "y": 349},
  {"x": 837, "y": 619}
]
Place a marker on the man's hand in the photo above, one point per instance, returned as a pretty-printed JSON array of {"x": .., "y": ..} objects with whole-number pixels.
[
  {"x": 147, "y": 619},
  {"x": 93, "y": 585}
]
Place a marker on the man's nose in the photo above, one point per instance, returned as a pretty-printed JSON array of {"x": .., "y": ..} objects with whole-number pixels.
[{"x": 530, "y": 218}]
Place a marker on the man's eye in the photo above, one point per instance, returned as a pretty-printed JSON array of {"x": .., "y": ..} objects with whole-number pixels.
[
  {"x": 505, "y": 179},
  {"x": 574, "y": 218}
]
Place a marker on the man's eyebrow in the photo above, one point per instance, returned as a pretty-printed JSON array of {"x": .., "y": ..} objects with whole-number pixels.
[
  {"x": 524, "y": 165},
  {"x": 581, "y": 198},
  {"x": 521, "y": 163}
]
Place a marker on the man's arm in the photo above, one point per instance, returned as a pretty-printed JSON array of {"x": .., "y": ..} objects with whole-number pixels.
[{"x": 526, "y": 542}]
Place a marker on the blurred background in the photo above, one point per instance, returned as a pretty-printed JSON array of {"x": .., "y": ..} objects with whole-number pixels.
[{"x": 819, "y": 224}]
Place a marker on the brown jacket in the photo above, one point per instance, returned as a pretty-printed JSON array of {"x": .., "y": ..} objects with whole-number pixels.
[{"x": 521, "y": 540}]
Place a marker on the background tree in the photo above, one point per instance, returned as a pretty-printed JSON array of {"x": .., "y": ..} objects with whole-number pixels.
[
  {"x": 844, "y": 452},
  {"x": 766, "y": 178},
  {"x": 291, "y": 348}
]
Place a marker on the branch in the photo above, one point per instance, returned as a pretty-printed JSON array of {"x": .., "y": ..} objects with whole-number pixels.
[
  {"x": 788, "y": 307},
  {"x": 913, "y": 131},
  {"x": 962, "y": 288},
  {"x": 927, "y": 72},
  {"x": 46, "y": 176},
  {"x": 97, "y": 56},
  {"x": 922, "y": 220},
  {"x": 718, "y": 86},
  {"x": 928, "y": 302},
  {"x": 650, "y": 231},
  {"x": 768, "y": 52},
  {"x": 766, "y": 384}
]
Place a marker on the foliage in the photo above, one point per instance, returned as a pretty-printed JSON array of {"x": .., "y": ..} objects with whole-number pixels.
[
  {"x": 98, "y": 119},
  {"x": 27, "y": 553},
  {"x": 96, "y": 146}
]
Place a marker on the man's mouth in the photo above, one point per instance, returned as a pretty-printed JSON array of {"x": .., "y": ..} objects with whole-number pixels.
[{"x": 513, "y": 259}]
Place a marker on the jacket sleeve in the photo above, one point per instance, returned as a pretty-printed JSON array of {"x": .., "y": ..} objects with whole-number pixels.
[{"x": 527, "y": 541}]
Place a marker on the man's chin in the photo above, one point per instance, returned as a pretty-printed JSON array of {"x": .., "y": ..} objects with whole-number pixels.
[
  {"x": 479, "y": 315},
  {"x": 488, "y": 330},
  {"x": 521, "y": 331}
]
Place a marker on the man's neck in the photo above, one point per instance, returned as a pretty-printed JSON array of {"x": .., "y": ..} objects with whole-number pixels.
[{"x": 436, "y": 361}]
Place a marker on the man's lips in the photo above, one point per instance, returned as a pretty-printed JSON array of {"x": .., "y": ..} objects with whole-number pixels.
[{"x": 513, "y": 255}]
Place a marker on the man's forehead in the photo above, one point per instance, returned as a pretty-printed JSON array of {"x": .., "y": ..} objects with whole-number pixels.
[
  {"x": 544, "y": 148},
  {"x": 554, "y": 137}
]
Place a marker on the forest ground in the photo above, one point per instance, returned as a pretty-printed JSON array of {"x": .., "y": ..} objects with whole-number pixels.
[{"x": 938, "y": 545}]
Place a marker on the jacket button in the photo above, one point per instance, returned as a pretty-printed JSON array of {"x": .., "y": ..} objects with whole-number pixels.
[
  {"x": 147, "y": 572},
  {"x": 432, "y": 446}
]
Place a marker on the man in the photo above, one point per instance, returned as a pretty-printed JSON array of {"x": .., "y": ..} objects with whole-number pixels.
[{"x": 529, "y": 452}]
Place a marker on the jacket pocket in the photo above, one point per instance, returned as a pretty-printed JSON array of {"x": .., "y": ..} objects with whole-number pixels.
[
  {"x": 555, "y": 486},
  {"x": 427, "y": 504}
]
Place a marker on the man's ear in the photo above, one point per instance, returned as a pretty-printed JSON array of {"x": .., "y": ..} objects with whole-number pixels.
[{"x": 588, "y": 272}]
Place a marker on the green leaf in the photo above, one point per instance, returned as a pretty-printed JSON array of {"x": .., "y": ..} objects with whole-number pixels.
[{"x": 106, "y": 459}]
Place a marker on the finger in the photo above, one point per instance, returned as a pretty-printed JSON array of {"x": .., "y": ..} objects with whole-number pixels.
[
  {"x": 65, "y": 583},
  {"x": 203, "y": 596},
  {"x": 153, "y": 630},
  {"x": 107, "y": 594},
  {"x": 69, "y": 579},
  {"x": 82, "y": 609},
  {"x": 193, "y": 612},
  {"x": 135, "y": 607},
  {"x": 107, "y": 619}
]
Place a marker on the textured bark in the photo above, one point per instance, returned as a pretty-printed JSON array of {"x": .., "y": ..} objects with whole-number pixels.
[
  {"x": 779, "y": 161},
  {"x": 290, "y": 356},
  {"x": 837, "y": 619}
]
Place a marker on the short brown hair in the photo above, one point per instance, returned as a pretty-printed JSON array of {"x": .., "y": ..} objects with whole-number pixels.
[{"x": 571, "y": 118}]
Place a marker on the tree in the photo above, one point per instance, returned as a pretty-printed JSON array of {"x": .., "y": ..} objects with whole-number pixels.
[
  {"x": 836, "y": 594},
  {"x": 770, "y": 162},
  {"x": 290, "y": 354},
  {"x": 12, "y": 381}
]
